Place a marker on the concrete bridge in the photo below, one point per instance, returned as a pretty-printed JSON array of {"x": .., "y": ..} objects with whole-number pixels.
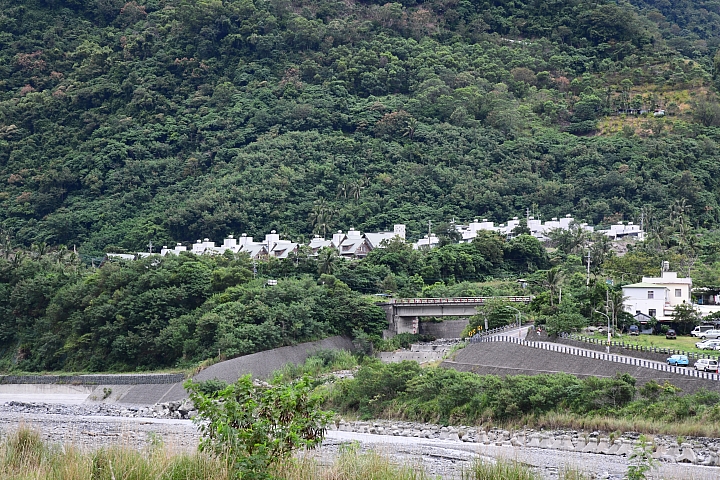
[{"x": 403, "y": 313}]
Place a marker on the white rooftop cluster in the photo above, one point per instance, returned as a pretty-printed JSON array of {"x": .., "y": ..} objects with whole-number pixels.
[
  {"x": 350, "y": 244},
  {"x": 537, "y": 228},
  {"x": 354, "y": 243}
]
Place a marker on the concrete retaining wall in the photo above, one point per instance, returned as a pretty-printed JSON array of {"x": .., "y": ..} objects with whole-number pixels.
[
  {"x": 445, "y": 329},
  {"x": 262, "y": 364},
  {"x": 149, "y": 389},
  {"x": 502, "y": 358},
  {"x": 128, "y": 379},
  {"x": 45, "y": 389}
]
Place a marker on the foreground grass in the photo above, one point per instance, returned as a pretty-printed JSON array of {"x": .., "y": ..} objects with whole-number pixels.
[{"x": 25, "y": 456}]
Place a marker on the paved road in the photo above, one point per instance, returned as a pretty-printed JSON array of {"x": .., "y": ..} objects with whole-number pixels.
[{"x": 522, "y": 333}]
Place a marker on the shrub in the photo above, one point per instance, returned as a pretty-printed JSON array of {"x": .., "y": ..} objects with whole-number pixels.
[{"x": 254, "y": 426}]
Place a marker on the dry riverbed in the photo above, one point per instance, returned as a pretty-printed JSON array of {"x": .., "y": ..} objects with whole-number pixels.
[{"x": 92, "y": 426}]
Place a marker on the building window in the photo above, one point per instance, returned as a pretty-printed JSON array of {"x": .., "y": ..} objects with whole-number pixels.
[
  {"x": 651, "y": 294},
  {"x": 651, "y": 312},
  {"x": 678, "y": 292}
]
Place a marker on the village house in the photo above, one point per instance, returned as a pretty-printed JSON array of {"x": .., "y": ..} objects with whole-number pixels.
[{"x": 657, "y": 296}]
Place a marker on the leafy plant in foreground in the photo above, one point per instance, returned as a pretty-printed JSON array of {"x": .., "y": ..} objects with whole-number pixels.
[
  {"x": 641, "y": 461},
  {"x": 253, "y": 426}
]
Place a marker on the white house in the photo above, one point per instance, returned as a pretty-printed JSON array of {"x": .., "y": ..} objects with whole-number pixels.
[
  {"x": 537, "y": 228},
  {"x": 282, "y": 248},
  {"x": 425, "y": 242},
  {"x": 376, "y": 239},
  {"x": 657, "y": 296},
  {"x": 353, "y": 245},
  {"x": 179, "y": 247},
  {"x": 620, "y": 230},
  {"x": 471, "y": 230},
  {"x": 318, "y": 243}
]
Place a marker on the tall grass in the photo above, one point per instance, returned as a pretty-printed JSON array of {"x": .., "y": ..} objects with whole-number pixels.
[
  {"x": 25, "y": 456},
  {"x": 499, "y": 469},
  {"x": 320, "y": 362},
  {"x": 350, "y": 464},
  {"x": 686, "y": 428}
]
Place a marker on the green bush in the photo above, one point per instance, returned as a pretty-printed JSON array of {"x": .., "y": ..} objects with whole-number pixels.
[
  {"x": 254, "y": 426},
  {"x": 446, "y": 395}
]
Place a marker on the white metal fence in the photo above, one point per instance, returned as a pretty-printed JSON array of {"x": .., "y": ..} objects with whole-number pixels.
[{"x": 610, "y": 357}]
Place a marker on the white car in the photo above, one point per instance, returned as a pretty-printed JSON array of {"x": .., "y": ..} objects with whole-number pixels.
[
  {"x": 710, "y": 334},
  {"x": 708, "y": 344},
  {"x": 707, "y": 365}
]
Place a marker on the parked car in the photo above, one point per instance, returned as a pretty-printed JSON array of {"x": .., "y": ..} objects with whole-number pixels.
[
  {"x": 678, "y": 360},
  {"x": 634, "y": 330},
  {"x": 713, "y": 333},
  {"x": 707, "y": 365},
  {"x": 697, "y": 331},
  {"x": 707, "y": 344},
  {"x": 670, "y": 334}
]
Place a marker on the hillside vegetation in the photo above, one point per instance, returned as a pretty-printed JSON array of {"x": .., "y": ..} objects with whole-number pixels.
[
  {"x": 124, "y": 123},
  {"x": 171, "y": 120}
]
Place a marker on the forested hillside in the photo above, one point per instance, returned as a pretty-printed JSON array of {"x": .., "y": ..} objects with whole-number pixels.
[
  {"x": 171, "y": 120},
  {"x": 124, "y": 123}
]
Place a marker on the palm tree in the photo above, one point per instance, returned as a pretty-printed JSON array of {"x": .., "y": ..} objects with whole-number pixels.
[
  {"x": 326, "y": 260},
  {"x": 321, "y": 216},
  {"x": 412, "y": 124},
  {"x": 553, "y": 282}
]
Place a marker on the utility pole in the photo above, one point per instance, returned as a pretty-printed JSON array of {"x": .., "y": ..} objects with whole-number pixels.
[
  {"x": 429, "y": 231},
  {"x": 587, "y": 281},
  {"x": 607, "y": 303},
  {"x": 642, "y": 220},
  {"x": 150, "y": 246}
]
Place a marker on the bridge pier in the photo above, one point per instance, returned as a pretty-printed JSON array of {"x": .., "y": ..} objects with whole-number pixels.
[{"x": 403, "y": 314}]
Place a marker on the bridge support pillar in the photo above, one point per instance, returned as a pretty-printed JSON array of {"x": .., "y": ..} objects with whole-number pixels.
[{"x": 407, "y": 325}]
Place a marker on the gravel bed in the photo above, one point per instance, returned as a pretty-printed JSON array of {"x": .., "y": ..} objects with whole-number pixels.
[{"x": 92, "y": 426}]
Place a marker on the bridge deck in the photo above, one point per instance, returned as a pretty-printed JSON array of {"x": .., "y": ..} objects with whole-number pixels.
[{"x": 454, "y": 301}]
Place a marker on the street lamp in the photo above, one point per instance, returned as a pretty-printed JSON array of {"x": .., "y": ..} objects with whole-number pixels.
[
  {"x": 516, "y": 316},
  {"x": 608, "y": 319}
]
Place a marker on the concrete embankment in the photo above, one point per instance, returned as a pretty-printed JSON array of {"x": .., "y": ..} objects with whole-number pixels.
[
  {"x": 444, "y": 329},
  {"x": 149, "y": 389},
  {"x": 503, "y": 358}
]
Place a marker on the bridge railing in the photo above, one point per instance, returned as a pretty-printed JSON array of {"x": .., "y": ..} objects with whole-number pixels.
[
  {"x": 478, "y": 337},
  {"x": 610, "y": 357},
  {"x": 456, "y": 300}
]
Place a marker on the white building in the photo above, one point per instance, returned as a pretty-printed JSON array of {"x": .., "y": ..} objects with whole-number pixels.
[
  {"x": 318, "y": 243},
  {"x": 425, "y": 242},
  {"x": 621, "y": 230},
  {"x": 657, "y": 296},
  {"x": 537, "y": 228},
  {"x": 376, "y": 239}
]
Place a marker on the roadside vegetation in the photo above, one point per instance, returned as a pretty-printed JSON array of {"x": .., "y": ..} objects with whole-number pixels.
[{"x": 428, "y": 394}]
